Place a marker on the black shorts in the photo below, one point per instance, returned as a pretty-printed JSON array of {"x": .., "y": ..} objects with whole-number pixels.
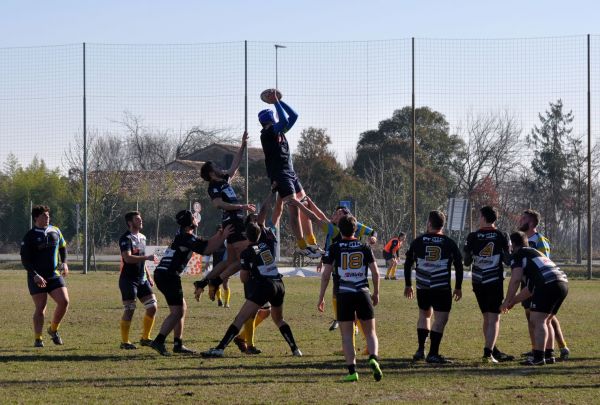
[
  {"x": 526, "y": 303},
  {"x": 132, "y": 288},
  {"x": 261, "y": 291},
  {"x": 438, "y": 298},
  {"x": 248, "y": 290},
  {"x": 169, "y": 284},
  {"x": 287, "y": 184},
  {"x": 354, "y": 305},
  {"x": 51, "y": 284},
  {"x": 238, "y": 230},
  {"x": 549, "y": 298},
  {"x": 489, "y": 296},
  {"x": 387, "y": 256}
]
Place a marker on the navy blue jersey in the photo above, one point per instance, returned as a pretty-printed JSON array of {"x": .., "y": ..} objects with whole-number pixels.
[
  {"x": 486, "y": 249},
  {"x": 350, "y": 260},
  {"x": 434, "y": 255},
  {"x": 538, "y": 269},
  {"x": 222, "y": 189},
  {"x": 40, "y": 250},
  {"x": 180, "y": 251},
  {"x": 136, "y": 244},
  {"x": 259, "y": 259},
  {"x": 275, "y": 145}
]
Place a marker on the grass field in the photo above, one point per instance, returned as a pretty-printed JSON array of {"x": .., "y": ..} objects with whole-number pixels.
[{"x": 91, "y": 368}]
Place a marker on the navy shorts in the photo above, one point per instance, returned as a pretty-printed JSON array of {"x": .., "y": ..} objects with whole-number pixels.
[
  {"x": 238, "y": 230},
  {"x": 51, "y": 284},
  {"x": 440, "y": 299},
  {"x": 287, "y": 184},
  {"x": 387, "y": 256},
  {"x": 261, "y": 291},
  {"x": 489, "y": 296},
  {"x": 357, "y": 304},
  {"x": 549, "y": 298},
  {"x": 169, "y": 283},
  {"x": 132, "y": 288}
]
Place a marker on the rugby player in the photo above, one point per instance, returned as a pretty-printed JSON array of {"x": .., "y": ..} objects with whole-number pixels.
[
  {"x": 280, "y": 171},
  {"x": 350, "y": 261},
  {"x": 528, "y": 223},
  {"x": 168, "y": 280},
  {"x": 135, "y": 280},
  {"x": 41, "y": 248},
  {"x": 391, "y": 253},
  {"x": 433, "y": 253},
  {"x": 265, "y": 284},
  {"x": 223, "y": 197},
  {"x": 547, "y": 286},
  {"x": 487, "y": 249}
]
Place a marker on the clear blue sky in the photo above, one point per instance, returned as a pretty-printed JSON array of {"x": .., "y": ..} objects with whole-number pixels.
[{"x": 48, "y": 22}]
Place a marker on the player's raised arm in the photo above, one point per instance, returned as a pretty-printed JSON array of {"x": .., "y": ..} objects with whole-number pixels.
[
  {"x": 286, "y": 121},
  {"x": 235, "y": 164}
]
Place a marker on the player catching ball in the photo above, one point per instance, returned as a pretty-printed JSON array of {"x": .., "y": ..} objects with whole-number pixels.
[
  {"x": 350, "y": 260},
  {"x": 281, "y": 172}
]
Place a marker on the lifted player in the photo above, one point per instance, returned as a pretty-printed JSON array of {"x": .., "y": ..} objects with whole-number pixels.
[
  {"x": 433, "y": 253},
  {"x": 280, "y": 171},
  {"x": 168, "y": 280},
  {"x": 40, "y": 250},
  {"x": 265, "y": 284},
  {"x": 135, "y": 280},
  {"x": 487, "y": 248},
  {"x": 350, "y": 261},
  {"x": 547, "y": 287}
]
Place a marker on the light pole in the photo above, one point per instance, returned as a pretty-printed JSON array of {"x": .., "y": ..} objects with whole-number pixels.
[
  {"x": 276, "y": 49},
  {"x": 277, "y": 227}
]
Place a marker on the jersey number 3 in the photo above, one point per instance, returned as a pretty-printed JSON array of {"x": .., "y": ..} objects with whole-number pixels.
[{"x": 433, "y": 253}]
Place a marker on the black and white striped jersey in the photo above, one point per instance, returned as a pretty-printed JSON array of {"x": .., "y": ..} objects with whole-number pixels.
[
  {"x": 538, "y": 269},
  {"x": 487, "y": 249}
]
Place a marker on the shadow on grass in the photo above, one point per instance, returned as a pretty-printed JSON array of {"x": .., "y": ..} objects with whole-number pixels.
[
  {"x": 551, "y": 387},
  {"x": 59, "y": 357}
]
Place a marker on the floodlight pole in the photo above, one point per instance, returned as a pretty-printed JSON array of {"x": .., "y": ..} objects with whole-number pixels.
[
  {"x": 414, "y": 149},
  {"x": 86, "y": 260},
  {"x": 589, "y": 167}
]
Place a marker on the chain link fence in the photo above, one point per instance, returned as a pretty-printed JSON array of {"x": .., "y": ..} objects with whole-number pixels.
[{"x": 154, "y": 113}]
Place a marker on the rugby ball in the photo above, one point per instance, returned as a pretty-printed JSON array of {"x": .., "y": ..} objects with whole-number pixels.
[{"x": 268, "y": 96}]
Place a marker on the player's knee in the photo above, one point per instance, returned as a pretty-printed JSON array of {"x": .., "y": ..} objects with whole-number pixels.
[
  {"x": 150, "y": 305},
  {"x": 128, "y": 310}
]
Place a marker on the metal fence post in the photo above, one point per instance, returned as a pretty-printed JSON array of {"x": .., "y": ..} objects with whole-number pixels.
[
  {"x": 85, "y": 175},
  {"x": 589, "y": 163}
]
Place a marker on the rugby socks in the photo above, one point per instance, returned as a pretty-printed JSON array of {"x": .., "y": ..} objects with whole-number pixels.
[
  {"x": 261, "y": 316},
  {"x": 311, "y": 239},
  {"x": 436, "y": 339},
  {"x": 487, "y": 352},
  {"x": 548, "y": 353},
  {"x": 125, "y": 325},
  {"x": 218, "y": 294},
  {"x": 54, "y": 326},
  {"x": 422, "y": 338},
  {"x": 372, "y": 356},
  {"x": 229, "y": 336},
  {"x": 177, "y": 342},
  {"x": 562, "y": 345},
  {"x": 147, "y": 324},
  {"x": 227, "y": 296},
  {"x": 286, "y": 332},
  {"x": 38, "y": 336},
  {"x": 301, "y": 243},
  {"x": 160, "y": 339},
  {"x": 248, "y": 331},
  {"x": 351, "y": 368},
  {"x": 538, "y": 355},
  {"x": 334, "y": 307}
]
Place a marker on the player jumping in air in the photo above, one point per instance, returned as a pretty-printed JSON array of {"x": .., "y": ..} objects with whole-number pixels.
[
  {"x": 434, "y": 253},
  {"x": 350, "y": 261},
  {"x": 280, "y": 171}
]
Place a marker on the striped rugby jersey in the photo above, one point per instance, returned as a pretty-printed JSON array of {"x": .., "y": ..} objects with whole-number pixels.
[
  {"x": 486, "y": 249},
  {"x": 350, "y": 260},
  {"x": 537, "y": 268}
]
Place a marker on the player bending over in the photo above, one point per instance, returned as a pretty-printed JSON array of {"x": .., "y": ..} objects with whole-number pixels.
[
  {"x": 168, "y": 277},
  {"x": 283, "y": 178},
  {"x": 350, "y": 261},
  {"x": 265, "y": 285},
  {"x": 434, "y": 253},
  {"x": 547, "y": 287}
]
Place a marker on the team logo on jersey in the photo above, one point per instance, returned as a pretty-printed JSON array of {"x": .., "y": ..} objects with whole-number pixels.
[
  {"x": 433, "y": 239},
  {"x": 490, "y": 235}
]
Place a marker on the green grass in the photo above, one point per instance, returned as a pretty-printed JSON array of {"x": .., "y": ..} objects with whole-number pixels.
[{"x": 91, "y": 368}]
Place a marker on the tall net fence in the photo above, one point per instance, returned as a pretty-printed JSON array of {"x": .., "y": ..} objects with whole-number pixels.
[{"x": 487, "y": 111}]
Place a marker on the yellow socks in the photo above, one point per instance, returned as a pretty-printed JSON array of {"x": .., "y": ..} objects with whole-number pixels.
[
  {"x": 261, "y": 316},
  {"x": 147, "y": 325},
  {"x": 54, "y": 326},
  {"x": 125, "y": 325},
  {"x": 334, "y": 307},
  {"x": 248, "y": 333},
  {"x": 227, "y": 296},
  {"x": 311, "y": 239},
  {"x": 301, "y": 243},
  {"x": 38, "y": 336},
  {"x": 218, "y": 294}
]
